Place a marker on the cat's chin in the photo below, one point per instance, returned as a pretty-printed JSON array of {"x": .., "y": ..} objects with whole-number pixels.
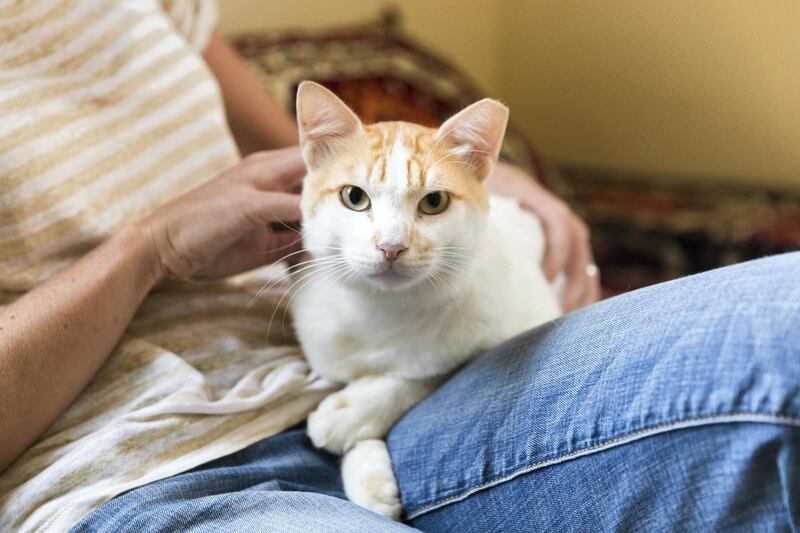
[{"x": 390, "y": 280}]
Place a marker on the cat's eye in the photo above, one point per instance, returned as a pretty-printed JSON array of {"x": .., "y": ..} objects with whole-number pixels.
[
  {"x": 434, "y": 203},
  {"x": 354, "y": 198}
]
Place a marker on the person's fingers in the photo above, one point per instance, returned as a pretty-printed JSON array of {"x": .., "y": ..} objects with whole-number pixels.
[
  {"x": 244, "y": 254},
  {"x": 557, "y": 243},
  {"x": 276, "y": 207},
  {"x": 267, "y": 246},
  {"x": 266, "y": 155},
  {"x": 577, "y": 282},
  {"x": 595, "y": 291},
  {"x": 257, "y": 248},
  {"x": 591, "y": 290},
  {"x": 276, "y": 170},
  {"x": 284, "y": 245}
]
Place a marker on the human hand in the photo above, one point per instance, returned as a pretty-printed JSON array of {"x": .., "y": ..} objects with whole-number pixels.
[
  {"x": 567, "y": 246},
  {"x": 224, "y": 227}
]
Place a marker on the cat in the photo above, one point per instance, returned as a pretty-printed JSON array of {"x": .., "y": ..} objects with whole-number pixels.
[{"x": 415, "y": 269}]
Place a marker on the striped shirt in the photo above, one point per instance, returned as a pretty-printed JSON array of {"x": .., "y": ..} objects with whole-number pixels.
[{"x": 107, "y": 110}]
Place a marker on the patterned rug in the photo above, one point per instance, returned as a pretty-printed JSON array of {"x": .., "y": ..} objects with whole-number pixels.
[{"x": 643, "y": 231}]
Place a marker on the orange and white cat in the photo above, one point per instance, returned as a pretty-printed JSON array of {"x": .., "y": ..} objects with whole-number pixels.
[{"x": 415, "y": 269}]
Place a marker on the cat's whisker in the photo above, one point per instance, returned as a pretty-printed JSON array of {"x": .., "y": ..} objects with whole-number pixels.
[
  {"x": 449, "y": 157},
  {"x": 278, "y": 279},
  {"x": 475, "y": 150},
  {"x": 311, "y": 274},
  {"x": 284, "y": 224},
  {"x": 453, "y": 251},
  {"x": 465, "y": 163},
  {"x": 296, "y": 269},
  {"x": 462, "y": 153},
  {"x": 324, "y": 248},
  {"x": 304, "y": 250},
  {"x": 464, "y": 253},
  {"x": 453, "y": 154},
  {"x": 336, "y": 270},
  {"x": 455, "y": 268},
  {"x": 307, "y": 275},
  {"x": 457, "y": 260},
  {"x": 293, "y": 268},
  {"x": 438, "y": 282},
  {"x": 439, "y": 141},
  {"x": 454, "y": 256},
  {"x": 457, "y": 297},
  {"x": 273, "y": 250},
  {"x": 435, "y": 287}
]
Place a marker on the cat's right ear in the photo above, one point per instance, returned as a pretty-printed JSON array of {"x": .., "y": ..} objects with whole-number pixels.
[{"x": 324, "y": 122}]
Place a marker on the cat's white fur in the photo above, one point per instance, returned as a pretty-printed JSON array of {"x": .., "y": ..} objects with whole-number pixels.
[{"x": 391, "y": 336}]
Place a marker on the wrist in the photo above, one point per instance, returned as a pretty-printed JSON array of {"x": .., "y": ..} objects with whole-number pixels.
[{"x": 136, "y": 243}]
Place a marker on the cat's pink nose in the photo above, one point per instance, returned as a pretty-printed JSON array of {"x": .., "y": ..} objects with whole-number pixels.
[{"x": 391, "y": 251}]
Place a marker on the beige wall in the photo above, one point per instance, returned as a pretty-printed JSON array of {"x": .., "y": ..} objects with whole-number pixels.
[
  {"x": 696, "y": 87},
  {"x": 464, "y": 30},
  {"x": 707, "y": 88}
]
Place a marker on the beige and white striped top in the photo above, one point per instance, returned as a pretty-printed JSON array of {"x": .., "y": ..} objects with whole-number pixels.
[{"x": 106, "y": 111}]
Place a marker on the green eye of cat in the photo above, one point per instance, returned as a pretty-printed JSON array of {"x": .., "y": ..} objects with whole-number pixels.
[
  {"x": 354, "y": 198},
  {"x": 434, "y": 203}
]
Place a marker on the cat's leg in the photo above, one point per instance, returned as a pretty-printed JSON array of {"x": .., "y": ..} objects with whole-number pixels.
[
  {"x": 365, "y": 409},
  {"x": 368, "y": 478},
  {"x": 354, "y": 421}
]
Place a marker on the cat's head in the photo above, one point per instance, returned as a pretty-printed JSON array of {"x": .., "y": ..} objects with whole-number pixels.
[{"x": 393, "y": 205}]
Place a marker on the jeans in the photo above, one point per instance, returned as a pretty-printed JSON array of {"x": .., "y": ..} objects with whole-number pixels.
[{"x": 675, "y": 407}]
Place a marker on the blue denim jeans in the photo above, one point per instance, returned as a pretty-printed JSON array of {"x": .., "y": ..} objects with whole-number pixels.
[{"x": 675, "y": 407}]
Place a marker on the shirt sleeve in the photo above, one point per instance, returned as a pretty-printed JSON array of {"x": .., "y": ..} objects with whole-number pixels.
[{"x": 194, "y": 19}]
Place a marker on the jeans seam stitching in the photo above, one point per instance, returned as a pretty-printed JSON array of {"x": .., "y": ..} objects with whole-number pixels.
[{"x": 745, "y": 416}]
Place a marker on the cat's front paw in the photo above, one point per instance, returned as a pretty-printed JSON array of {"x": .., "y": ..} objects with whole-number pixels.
[
  {"x": 342, "y": 420},
  {"x": 369, "y": 478}
]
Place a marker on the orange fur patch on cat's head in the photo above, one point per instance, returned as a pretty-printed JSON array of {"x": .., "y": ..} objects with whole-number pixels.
[{"x": 391, "y": 167}]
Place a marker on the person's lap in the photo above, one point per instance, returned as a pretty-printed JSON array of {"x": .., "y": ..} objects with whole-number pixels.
[{"x": 672, "y": 407}]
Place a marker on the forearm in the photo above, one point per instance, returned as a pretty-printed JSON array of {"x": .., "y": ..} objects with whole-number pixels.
[
  {"x": 55, "y": 338},
  {"x": 257, "y": 120}
]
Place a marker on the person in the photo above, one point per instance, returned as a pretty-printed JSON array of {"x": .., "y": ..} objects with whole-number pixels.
[{"x": 135, "y": 396}]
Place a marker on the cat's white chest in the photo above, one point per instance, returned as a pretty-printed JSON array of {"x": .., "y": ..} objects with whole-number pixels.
[{"x": 345, "y": 337}]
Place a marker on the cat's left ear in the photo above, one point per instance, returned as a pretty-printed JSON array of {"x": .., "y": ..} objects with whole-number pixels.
[
  {"x": 476, "y": 134},
  {"x": 325, "y": 123}
]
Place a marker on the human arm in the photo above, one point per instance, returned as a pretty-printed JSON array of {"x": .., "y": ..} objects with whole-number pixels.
[
  {"x": 55, "y": 338},
  {"x": 258, "y": 121},
  {"x": 567, "y": 245}
]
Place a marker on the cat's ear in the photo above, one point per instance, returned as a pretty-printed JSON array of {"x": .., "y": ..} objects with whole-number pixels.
[
  {"x": 324, "y": 123},
  {"x": 476, "y": 134}
]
